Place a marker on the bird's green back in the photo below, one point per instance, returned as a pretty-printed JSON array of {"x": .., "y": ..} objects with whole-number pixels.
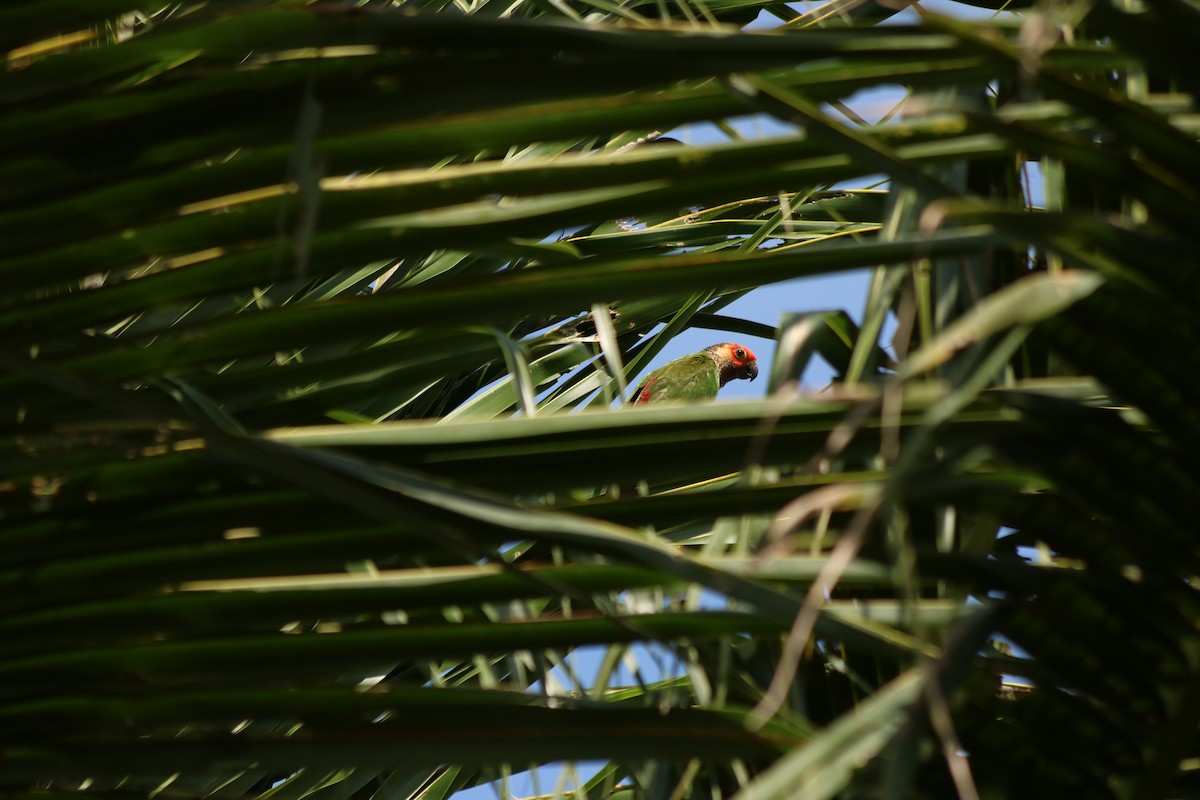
[{"x": 688, "y": 379}]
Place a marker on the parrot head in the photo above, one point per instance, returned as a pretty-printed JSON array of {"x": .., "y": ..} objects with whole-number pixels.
[{"x": 733, "y": 361}]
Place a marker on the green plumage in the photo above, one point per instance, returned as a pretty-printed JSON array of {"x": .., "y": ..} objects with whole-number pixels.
[
  {"x": 697, "y": 377},
  {"x": 685, "y": 380}
]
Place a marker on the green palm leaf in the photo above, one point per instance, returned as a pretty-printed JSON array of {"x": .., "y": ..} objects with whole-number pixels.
[{"x": 314, "y": 319}]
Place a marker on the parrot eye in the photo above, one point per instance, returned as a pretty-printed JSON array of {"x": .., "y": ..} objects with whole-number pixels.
[{"x": 740, "y": 354}]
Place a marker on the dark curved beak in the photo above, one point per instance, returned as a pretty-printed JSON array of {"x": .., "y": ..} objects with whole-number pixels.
[{"x": 752, "y": 370}]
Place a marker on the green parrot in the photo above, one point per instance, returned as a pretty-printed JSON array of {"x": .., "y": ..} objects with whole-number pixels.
[{"x": 698, "y": 376}]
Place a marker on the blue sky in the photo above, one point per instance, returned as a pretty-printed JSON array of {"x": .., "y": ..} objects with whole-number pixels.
[{"x": 845, "y": 291}]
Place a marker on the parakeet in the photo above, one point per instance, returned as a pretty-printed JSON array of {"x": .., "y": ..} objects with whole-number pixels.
[{"x": 698, "y": 376}]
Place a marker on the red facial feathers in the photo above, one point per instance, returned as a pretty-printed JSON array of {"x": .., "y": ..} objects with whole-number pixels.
[{"x": 733, "y": 361}]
